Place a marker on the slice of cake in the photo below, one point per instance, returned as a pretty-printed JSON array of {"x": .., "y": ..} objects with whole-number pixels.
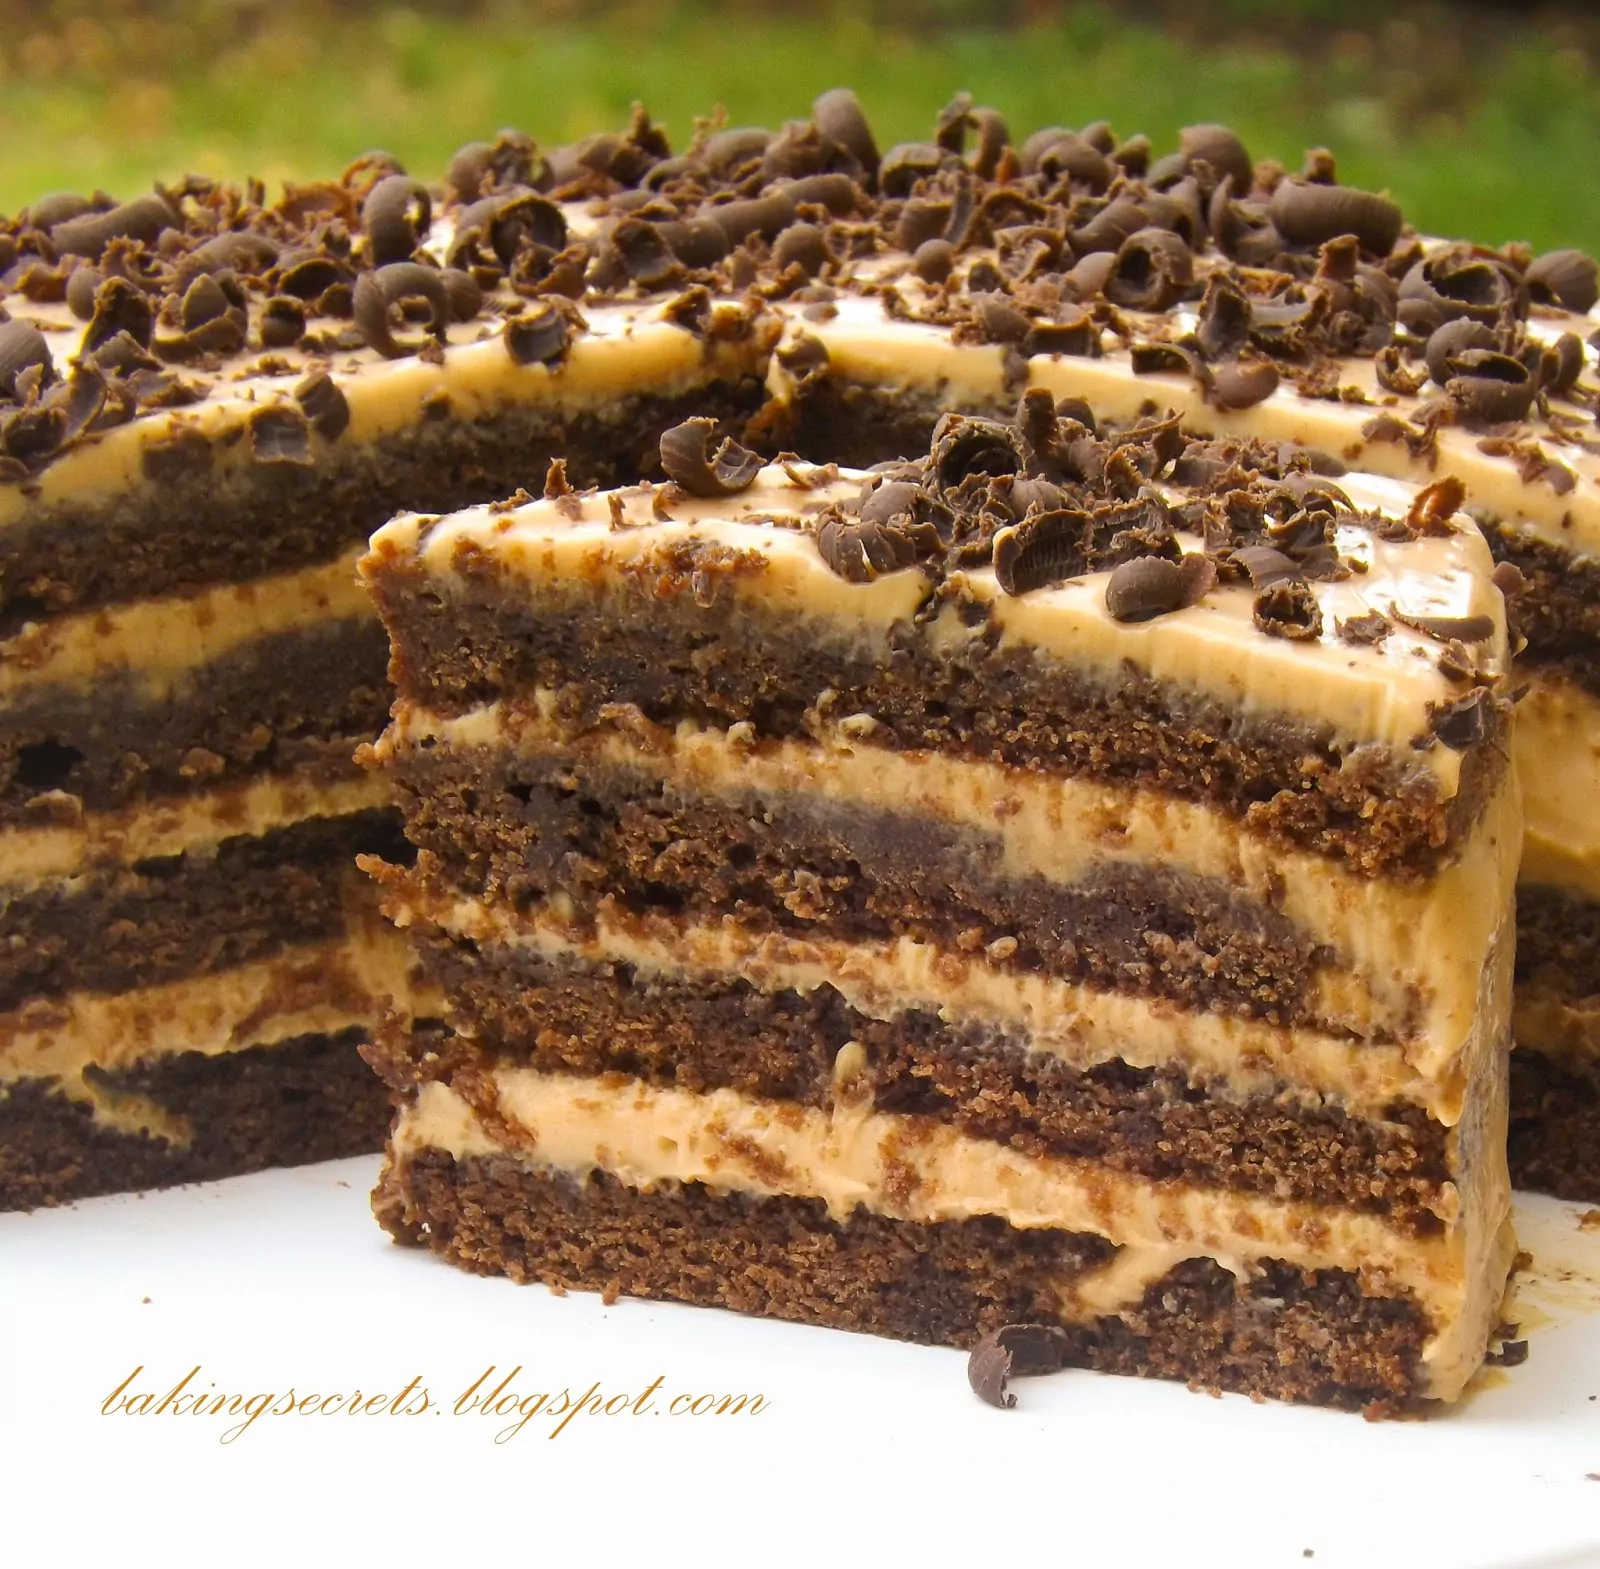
[{"x": 1067, "y": 878}]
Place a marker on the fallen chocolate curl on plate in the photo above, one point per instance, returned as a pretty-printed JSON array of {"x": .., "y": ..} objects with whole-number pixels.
[{"x": 1014, "y": 1351}]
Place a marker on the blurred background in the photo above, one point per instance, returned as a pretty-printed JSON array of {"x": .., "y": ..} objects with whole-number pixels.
[{"x": 1482, "y": 118}]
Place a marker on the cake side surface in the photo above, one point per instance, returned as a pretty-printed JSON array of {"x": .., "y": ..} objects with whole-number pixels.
[{"x": 710, "y": 923}]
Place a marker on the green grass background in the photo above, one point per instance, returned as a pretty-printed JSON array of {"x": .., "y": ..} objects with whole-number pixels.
[{"x": 1482, "y": 125}]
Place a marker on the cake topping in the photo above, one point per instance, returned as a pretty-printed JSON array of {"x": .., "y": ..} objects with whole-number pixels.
[
  {"x": 1050, "y": 497},
  {"x": 685, "y": 457},
  {"x": 1075, "y": 243},
  {"x": 1014, "y": 1351}
]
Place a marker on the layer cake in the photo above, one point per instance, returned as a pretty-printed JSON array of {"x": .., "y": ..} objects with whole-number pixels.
[
  {"x": 207, "y": 402},
  {"x": 1066, "y": 878}
]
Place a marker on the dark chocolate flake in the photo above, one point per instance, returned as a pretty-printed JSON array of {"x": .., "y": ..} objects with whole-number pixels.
[
  {"x": 1238, "y": 385},
  {"x": 1014, "y": 1351},
  {"x": 689, "y": 464},
  {"x": 1143, "y": 588},
  {"x": 324, "y": 404},
  {"x": 1435, "y": 505},
  {"x": 1464, "y": 723},
  {"x": 1509, "y": 579},
  {"x": 1364, "y": 631},
  {"x": 280, "y": 434},
  {"x": 1153, "y": 267},
  {"x": 1288, "y": 609},
  {"x": 1567, "y": 278},
  {"x": 1311, "y": 214},
  {"x": 119, "y": 307},
  {"x": 1465, "y": 629},
  {"x": 396, "y": 215},
  {"x": 1045, "y": 548},
  {"x": 1264, "y": 565},
  {"x": 541, "y": 336},
  {"x": 22, "y": 347},
  {"x": 405, "y": 291},
  {"x": 859, "y": 549}
]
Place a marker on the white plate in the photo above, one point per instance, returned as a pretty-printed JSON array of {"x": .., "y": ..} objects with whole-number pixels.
[{"x": 864, "y": 1449}]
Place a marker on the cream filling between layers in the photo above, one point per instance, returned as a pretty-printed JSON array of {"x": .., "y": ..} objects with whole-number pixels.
[
  {"x": 627, "y": 350},
  {"x": 315, "y": 989},
  {"x": 1413, "y": 953},
  {"x": 1081, "y": 1026},
  {"x": 851, "y": 1156},
  {"x": 165, "y": 642},
  {"x": 1558, "y": 1027},
  {"x": 1214, "y": 650},
  {"x": 1556, "y": 742},
  {"x": 866, "y": 346},
  {"x": 64, "y": 853}
]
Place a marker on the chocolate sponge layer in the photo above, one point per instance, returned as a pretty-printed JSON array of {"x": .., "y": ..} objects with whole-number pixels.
[{"x": 1294, "y": 1335}]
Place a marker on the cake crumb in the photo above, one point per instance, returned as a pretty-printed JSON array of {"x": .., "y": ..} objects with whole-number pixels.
[{"x": 1589, "y": 1220}]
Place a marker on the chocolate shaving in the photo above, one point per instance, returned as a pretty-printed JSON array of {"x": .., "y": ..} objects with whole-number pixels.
[
  {"x": 541, "y": 336},
  {"x": 1311, "y": 214},
  {"x": 1015, "y": 1351},
  {"x": 400, "y": 291},
  {"x": 1465, "y": 629},
  {"x": 1288, "y": 609},
  {"x": 688, "y": 464},
  {"x": 396, "y": 215},
  {"x": 860, "y": 549},
  {"x": 1508, "y": 577},
  {"x": 1567, "y": 278},
  {"x": 1143, "y": 588},
  {"x": 324, "y": 405},
  {"x": 1264, "y": 565},
  {"x": 1364, "y": 631},
  {"x": 22, "y": 348},
  {"x": 1237, "y": 385},
  {"x": 119, "y": 307},
  {"x": 280, "y": 435},
  {"x": 1435, "y": 505},
  {"x": 1464, "y": 723}
]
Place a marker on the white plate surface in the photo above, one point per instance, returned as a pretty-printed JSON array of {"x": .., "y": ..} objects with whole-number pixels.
[{"x": 865, "y": 1451}]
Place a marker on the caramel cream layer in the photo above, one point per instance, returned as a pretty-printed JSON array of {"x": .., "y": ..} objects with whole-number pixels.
[
  {"x": 318, "y": 988},
  {"x": 851, "y": 1156},
  {"x": 178, "y": 825},
  {"x": 163, "y": 643},
  {"x": 868, "y": 346},
  {"x": 627, "y": 350},
  {"x": 1558, "y": 1027},
  {"x": 1082, "y": 1026},
  {"x": 1214, "y": 649},
  {"x": 1557, "y": 747},
  {"x": 1413, "y": 953}
]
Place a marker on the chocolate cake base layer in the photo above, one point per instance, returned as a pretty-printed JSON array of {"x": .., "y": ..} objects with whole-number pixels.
[
  {"x": 1558, "y": 608},
  {"x": 1289, "y": 1334},
  {"x": 1555, "y": 1127},
  {"x": 311, "y": 1098},
  {"x": 196, "y": 522},
  {"x": 1558, "y": 942},
  {"x": 166, "y": 919},
  {"x": 1376, "y": 810},
  {"x": 278, "y": 703},
  {"x": 504, "y": 826},
  {"x": 707, "y": 1033}
]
